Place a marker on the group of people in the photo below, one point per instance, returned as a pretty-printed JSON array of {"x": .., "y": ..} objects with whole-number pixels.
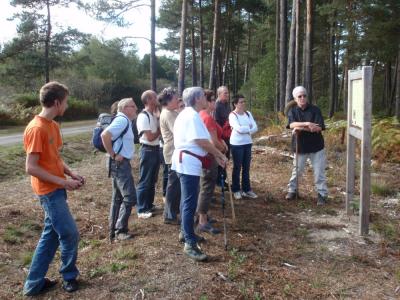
[{"x": 196, "y": 141}]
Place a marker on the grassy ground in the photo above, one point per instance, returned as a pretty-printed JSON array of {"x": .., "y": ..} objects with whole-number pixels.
[{"x": 276, "y": 249}]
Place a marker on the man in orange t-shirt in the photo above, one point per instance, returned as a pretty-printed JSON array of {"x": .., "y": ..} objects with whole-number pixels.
[{"x": 42, "y": 143}]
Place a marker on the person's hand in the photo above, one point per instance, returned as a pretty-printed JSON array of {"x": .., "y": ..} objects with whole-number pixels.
[
  {"x": 78, "y": 177},
  {"x": 118, "y": 158},
  {"x": 314, "y": 127},
  {"x": 221, "y": 160},
  {"x": 72, "y": 184}
]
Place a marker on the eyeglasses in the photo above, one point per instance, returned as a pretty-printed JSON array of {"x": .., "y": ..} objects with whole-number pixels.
[{"x": 302, "y": 96}]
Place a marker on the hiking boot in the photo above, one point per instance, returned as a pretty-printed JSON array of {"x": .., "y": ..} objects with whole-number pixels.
[
  {"x": 321, "y": 200},
  {"x": 199, "y": 238},
  {"x": 194, "y": 252},
  {"x": 70, "y": 285},
  {"x": 237, "y": 195},
  {"x": 290, "y": 196},
  {"x": 172, "y": 221},
  {"x": 208, "y": 228},
  {"x": 250, "y": 194},
  {"x": 123, "y": 236},
  {"x": 145, "y": 215}
]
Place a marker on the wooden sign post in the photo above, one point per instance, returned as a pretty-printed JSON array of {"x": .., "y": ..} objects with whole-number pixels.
[{"x": 359, "y": 117}]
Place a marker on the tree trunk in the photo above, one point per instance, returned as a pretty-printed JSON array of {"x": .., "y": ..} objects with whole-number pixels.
[
  {"x": 290, "y": 61},
  {"x": 332, "y": 67},
  {"x": 393, "y": 91},
  {"x": 212, "y": 83},
  {"x": 181, "y": 80},
  {"x": 282, "y": 52},
  {"x": 397, "y": 103},
  {"x": 201, "y": 45},
  {"x": 246, "y": 67},
  {"x": 153, "y": 47},
  {"x": 309, "y": 51},
  {"x": 297, "y": 46},
  {"x": 277, "y": 56},
  {"x": 47, "y": 45},
  {"x": 193, "y": 42}
]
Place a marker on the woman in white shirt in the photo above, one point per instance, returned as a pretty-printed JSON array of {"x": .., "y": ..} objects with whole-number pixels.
[
  {"x": 192, "y": 143},
  {"x": 243, "y": 126}
]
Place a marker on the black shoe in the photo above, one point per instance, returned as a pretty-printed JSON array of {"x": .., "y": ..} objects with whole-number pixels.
[
  {"x": 172, "y": 221},
  {"x": 48, "y": 284},
  {"x": 194, "y": 252},
  {"x": 199, "y": 238},
  {"x": 208, "y": 228},
  {"x": 70, "y": 286},
  {"x": 321, "y": 200},
  {"x": 290, "y": 196}
]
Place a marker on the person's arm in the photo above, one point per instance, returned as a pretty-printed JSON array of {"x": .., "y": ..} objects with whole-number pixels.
[
  {"x": 68, "y": 172},
  {"x": 106, "y": 137},
  {"x": 151, "y": 136},
  {"x": 34, "y": 169},
  {"x": 253, "y": 124},
  {"x": 214, "y": 139},
  {"x": 234, "y": 122},
  {"x": 210, "y": 148}
]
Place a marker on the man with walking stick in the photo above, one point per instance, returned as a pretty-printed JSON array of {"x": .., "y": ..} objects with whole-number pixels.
[
  {"x": 121, "y": 148},
  {"x": 307, "y": 122}
]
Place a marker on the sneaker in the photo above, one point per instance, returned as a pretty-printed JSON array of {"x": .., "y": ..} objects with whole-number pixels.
[
  {"x": 145, "y": 215},
  {"x": 290, "y": 196},
  {"x": 70, "y": 285},
  {"x": 172, "y": 221},
  {"x": 237, "y": 195},
  {"x": 123, "y": 236},
  {"x": 48, "y": 284},
  {"x": 250, "y": 194},
  {"x": 199, "y": 238},
  {"x": 208, "y": 228},
  {"x": 194, "y": 252},
  {"x": 321, "y": 200}
]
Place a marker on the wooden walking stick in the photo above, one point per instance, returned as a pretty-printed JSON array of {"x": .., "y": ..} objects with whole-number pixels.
[
  {"x": 297, "y": 165},
  {"x": 231, "y": 197}
]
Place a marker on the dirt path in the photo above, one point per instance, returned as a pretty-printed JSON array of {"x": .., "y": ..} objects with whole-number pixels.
[{"x": 276, "y": 249}]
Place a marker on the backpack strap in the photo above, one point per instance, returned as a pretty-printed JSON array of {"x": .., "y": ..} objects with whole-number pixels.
[
  {"x": 121, "y": 135},
  {"x": 148, "y": 117}
]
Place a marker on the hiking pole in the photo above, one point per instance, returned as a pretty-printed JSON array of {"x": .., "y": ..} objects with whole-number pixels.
[
  {"x": 297, "y": 165},
  {"x": 223, "y": 210},
  {"x": 231, "y": 198}
]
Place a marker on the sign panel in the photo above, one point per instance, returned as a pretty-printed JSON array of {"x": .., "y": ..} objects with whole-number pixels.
[{"x": 357, "y": 107}]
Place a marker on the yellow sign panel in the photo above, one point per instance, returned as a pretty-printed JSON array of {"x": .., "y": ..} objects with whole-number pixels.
[{"x": 357, "y": 103}]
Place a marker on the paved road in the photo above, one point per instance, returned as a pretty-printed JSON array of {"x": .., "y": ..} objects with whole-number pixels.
[{"x": 17, "y": 137}]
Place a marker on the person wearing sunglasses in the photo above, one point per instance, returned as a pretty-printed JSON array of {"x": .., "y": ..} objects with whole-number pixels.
[{"x": 306, "y": 121}]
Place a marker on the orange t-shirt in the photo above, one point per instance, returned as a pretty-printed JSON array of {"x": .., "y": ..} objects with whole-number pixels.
[{"x": 43, "y": 137}]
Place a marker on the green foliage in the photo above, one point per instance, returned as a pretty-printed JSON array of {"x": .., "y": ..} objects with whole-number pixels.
[
  {"x": 237, "y": 259},
  {"x": 386, "y": 140},
  {"x": 79, "y": 110},
  {"x": 382, "y": 190},
  {"x": 27, "y": 100}
]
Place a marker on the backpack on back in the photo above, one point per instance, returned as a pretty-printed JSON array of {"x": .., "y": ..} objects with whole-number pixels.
[{"x": 103, "y": 121}]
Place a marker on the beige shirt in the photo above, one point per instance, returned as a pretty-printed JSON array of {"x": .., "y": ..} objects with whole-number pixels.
[{"x": 167, "y": 120}]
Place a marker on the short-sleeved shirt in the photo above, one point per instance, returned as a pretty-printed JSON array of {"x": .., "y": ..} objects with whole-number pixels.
[
  {"x": 188, "y": 127},
  {"x": 42, "y": 137},
  {"x": 211, "y": 124},
  {"x": 222, "y": 110},
  {"x": 309, "y": 142},
  {"x": 147, "y": 121},
  {"x": 116, "y": 128},
  {"x": 167, "y": 120}
]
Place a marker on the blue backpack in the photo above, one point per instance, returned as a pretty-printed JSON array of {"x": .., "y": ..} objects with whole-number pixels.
[{"x": 103, "y": 121}]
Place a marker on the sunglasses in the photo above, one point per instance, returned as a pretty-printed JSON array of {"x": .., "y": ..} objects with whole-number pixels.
[{"x": 302, "y": 96}]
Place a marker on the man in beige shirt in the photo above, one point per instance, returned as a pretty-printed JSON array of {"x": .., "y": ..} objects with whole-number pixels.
[{"x": 169, "y": 101}]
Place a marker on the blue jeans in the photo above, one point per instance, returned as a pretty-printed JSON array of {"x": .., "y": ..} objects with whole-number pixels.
[
  {"x": 189, "y": 196},
  {"x": 172, "y": 196},
  {"x": 123, "y": 196},
  {"x": 148, "y": 174},
  {"x": 165, "y": 173},
  {"x": 59, "y": 230},
  {"x": 241, "y": 156},
  {"x": 318, "y": 161}
]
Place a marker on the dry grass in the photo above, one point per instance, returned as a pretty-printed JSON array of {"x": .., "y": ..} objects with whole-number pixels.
[{"x": 276, "y": 249}]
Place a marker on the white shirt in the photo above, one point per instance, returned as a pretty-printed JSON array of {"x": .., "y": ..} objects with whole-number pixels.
[
  {"x": 144, "y": 123},
  {"x": 116, "y": 127},
  {"x": 243, "y": 126},
  {"x": 187, "y": 128}
]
